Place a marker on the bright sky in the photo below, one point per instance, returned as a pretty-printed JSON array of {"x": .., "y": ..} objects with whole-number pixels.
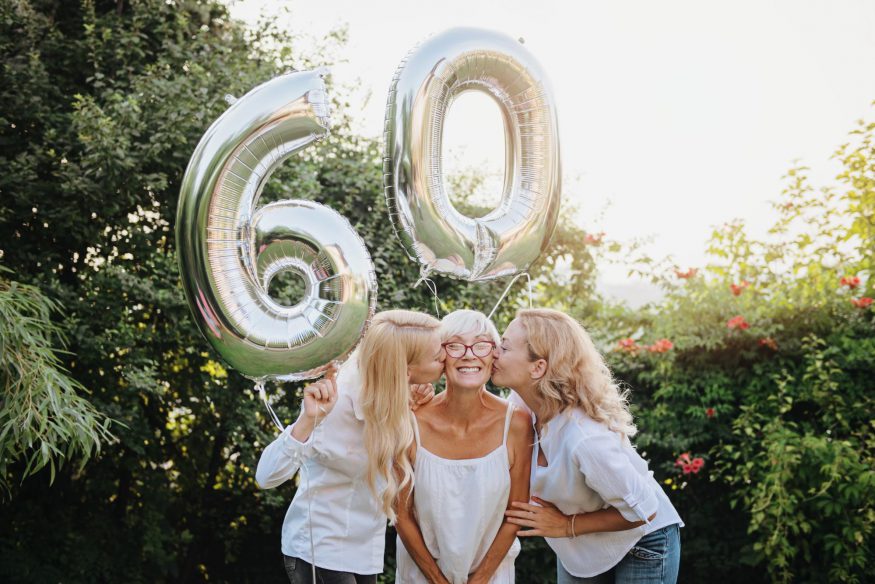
[{"x": 674, "y": 116}]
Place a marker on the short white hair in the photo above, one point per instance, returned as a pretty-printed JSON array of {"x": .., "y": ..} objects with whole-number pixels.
[{"x": 464, "y": 322}]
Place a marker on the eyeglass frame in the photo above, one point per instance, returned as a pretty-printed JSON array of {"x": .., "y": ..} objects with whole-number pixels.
[{"x": 465, "y": 352}]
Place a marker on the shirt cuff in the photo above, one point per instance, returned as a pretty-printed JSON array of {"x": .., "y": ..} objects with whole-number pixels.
[
  {"x": 292, "y": 445},
  {"x": 639, "y": 506}
]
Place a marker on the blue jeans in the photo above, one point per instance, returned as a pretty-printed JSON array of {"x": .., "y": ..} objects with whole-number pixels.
[{"x": 655, "y": 559}]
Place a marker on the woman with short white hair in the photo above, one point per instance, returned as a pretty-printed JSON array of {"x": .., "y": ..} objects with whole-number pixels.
[{"x": 472, "y": 456}]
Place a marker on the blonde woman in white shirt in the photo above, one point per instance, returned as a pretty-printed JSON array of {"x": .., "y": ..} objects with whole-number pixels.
[
  {"x": 472, "y": 457},
  {"x": 355, "y": 459},
  {"x": 594, "y": 500}
]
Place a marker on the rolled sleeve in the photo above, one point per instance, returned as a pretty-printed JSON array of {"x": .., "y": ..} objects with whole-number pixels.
[
  {"x": 640, "y": 506},
  {"x": 608, "y": 470}
]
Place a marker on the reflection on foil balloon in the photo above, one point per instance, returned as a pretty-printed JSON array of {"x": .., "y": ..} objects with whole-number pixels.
[
  {"x": 230, "y": 249},
  {"x": 508, "y": 239}
]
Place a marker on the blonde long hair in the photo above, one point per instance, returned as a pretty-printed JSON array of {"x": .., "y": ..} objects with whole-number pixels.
[
  {"x": 577, "y": 375},
  {"x": 394, "y": 339}
]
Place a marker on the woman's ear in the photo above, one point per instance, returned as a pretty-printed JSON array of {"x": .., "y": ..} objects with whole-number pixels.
[{"x": 538, "y": 369}]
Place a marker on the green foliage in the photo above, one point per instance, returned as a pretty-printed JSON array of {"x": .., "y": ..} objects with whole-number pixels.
[
  {"x": 43, "y": 419},
  {"x": 770, "y": 381},
  {"x": 102, "y": 105}
]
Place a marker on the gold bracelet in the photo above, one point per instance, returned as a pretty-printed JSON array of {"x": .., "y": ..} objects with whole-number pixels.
[
  {"x": 573, "y": 517},
  {"x": 568, "y": 527}
]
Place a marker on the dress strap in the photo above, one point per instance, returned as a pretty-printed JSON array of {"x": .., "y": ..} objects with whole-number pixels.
[
  {"x": 507, "y": 417},
  {"x": 415, "y": 429}
]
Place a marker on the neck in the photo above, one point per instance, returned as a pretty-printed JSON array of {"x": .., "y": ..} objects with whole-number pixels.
[
  {"x": 533, "y": 401},
  {"x": 463, "y": 404}
]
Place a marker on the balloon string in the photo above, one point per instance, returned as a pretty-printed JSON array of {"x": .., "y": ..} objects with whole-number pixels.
[
  {"x": 506, "y": 290},
  {"x": 309, "y": 504},
  {"x": 429, "y": 283},
  {"x": 259, "y": 386}
]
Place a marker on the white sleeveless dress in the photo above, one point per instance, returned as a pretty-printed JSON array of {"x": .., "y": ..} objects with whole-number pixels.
[{"x": 459, "y": 505}]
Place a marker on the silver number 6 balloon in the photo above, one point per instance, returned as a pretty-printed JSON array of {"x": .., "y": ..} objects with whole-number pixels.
[
  {"x": 507, "y": 240},
  {"x": 230, "y": 249}
]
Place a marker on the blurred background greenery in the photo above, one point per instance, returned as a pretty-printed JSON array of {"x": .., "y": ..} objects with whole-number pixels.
[{"x": 127, "y": 452}]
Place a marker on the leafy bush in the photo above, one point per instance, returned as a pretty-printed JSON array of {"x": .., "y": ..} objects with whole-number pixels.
[{"x": 762, "y": 365}]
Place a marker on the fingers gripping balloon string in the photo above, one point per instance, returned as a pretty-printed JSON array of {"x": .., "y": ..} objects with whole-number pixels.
[
  {"x": 506, "y": 290},
  {"x": 429, "y": 283},
  {"x": 259, "y": 386}
]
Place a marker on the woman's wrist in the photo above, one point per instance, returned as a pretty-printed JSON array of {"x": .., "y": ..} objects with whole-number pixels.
[
  {"x": 303, "y": 427},
  {"x": 570, "y": 528}
]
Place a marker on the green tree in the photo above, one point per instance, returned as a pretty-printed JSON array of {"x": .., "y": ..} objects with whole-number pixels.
[{"x": 102, "y": 105}]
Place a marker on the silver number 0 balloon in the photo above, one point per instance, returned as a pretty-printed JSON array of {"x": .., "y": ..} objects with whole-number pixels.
[
  {"x": 507, "y": 240},
  {"x": 230, "y": 250}
]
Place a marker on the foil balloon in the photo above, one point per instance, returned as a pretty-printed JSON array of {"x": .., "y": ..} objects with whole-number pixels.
[
  {"x": 508, "y": 239},
  {"x": 230, "y": 248}
]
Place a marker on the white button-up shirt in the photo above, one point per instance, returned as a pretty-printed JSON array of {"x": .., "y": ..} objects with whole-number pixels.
[
  {"x": 348, "y": 524},
  {"x": 589, "y": 467}
]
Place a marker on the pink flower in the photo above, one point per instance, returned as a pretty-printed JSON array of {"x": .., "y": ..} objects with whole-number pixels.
[
  {"x": 850, "y": 281},
  {"x": 627, "y": 345},
  {"x": 737, "y": 289},
  {"x": 863, "y": 302},
  {"x": 690, "y": 273},
  {"x": 769, "y": 342},
  {"x": 594, "y": 238},
  {"x": 689, "y": 465},
  {"x": 661, "y": 346},
  {"x": 737, "y": 322}
]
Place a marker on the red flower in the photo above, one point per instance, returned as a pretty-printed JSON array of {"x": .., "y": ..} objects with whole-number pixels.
[
  {"x": 850, "y": 281},
  {"x": 863, "y": 302},
  {"x": 710, "y": 412},
  {"x": 661, "y": 346},
  {"x": 689, "y": 465},
  {"x": 627, "y": 344},
  {"x": 686, "y": 275},
  {"x": 769, "y": 342},
  {"x": 737, "y": 322},
  {"x": 737, "y": 289},
  {"x": 594, "y": 239}
]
